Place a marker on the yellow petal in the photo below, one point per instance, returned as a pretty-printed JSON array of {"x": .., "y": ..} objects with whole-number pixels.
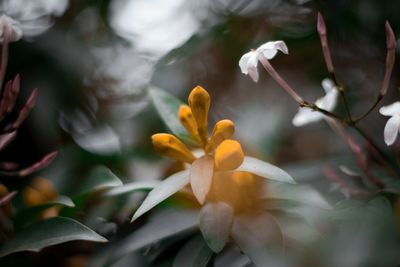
[
  {"x": 188, "y": 121},
  {"x": 199, "y": 102},
  {"x": 228, "y": 155},
  {"x": 170, "y": 146},
  {"x": 223, "y": 130}
]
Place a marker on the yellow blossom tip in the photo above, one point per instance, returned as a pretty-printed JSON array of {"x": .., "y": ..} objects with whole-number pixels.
[
  {"x": 170, "y": 146},
  {"x": 188, "y": 121},
  {"x": 199, "y": 102},
  {"x": 228, "y": 155},
  {"x": 223, "y": 130}
]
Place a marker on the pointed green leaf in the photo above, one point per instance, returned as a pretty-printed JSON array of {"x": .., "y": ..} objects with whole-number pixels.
[
  {"x": 161, "y": 225},
  {"x": 131, "y": 188},
  {"x": 167, "y": 107},
  {"x": 265, "y": 170},
  {"x": 194, "y": 253},
  {"x": 49, "y": 232},
  {"x": 215, "y": 223},
  {"x": 25, "y": 215},
  {"x": 301, "y": 193},
  {"x": 100, "y": 178},
  {"x": 259, "y": 237},
  {"x": 296, "y": 228},
  {"x": 164, "y": 190}
]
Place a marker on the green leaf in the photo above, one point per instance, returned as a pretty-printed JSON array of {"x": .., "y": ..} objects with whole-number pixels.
[
  {"x": 100, "y": 178},
  {"x": 130, "y": 188},
  {"x": 194, "y": 253},
  {"x": 259, "y": 237},
  {"x": 301, "y": 193},
  {"x": 296, "y": 228},
  {"x": 162, "y": 225},
  {"x": 164, "y": 190},
  {"x": 167, "y": 107},
  {"x": 25, "y": 215},
  {"x": 215, "y": 223},
  {"x": 49, "y": 232},
  {"x": 265, "y": 170}
]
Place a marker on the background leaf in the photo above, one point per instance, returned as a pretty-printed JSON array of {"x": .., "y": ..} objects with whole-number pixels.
[
  {"x": 215, "y": 222},
  {"x": 260, "y": 238},
  {"x": 194, "y": 253},
  {"x": 165, "y": 189},
  {"x": 49, "y": 232},
  {"x": 167, "y": 107},
  {"x": 265, "y": 170},
  {"x": 130, "y": 188},
  {"x": 26, "y": 214},
  {"x": 100, "y": 178},
  {"x": 161, "y": 225}
]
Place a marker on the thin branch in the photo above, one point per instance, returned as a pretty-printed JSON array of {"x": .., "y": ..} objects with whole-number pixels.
[
  {"x": 275, "y": 75},
  {"x": 4, "y": 54},
  {"x": 390, "y": 59},
  {"x": 323, "y": 36}
]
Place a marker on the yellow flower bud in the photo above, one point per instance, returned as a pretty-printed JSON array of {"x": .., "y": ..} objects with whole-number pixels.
[
  {"x": 228, "y": 155},
  {"x": 223, "y": 130},
  {"x": 188, "y": 121},
  {"x": 170, "y": 146},
  {"x": 33, "y": 197},
  {"x": 3, "y": 190},
  {"x": 40, "y": 192},
  {"x": 7, "y": 208},
  {"x": 199, "y": 102},
  {"x": 45, "y": 187}
]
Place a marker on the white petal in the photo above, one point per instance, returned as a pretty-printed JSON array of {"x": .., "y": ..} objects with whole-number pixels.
[
  {"x": 201, "y": 173},
  {"x": 215, "y": 222},
  {"x": 270, "y": 49},
  {"x": 165, "y": 189},
  {"x": 391, "y": 109},
  {"x": 253, "y": 72},
  {"x": 244, "y": 60},
  {"x": 329, "y": 101},
  {"x": 391, "y": 130},
  {"x": 305, "y": 116},
  {"x": 328, "y": 85},
  {"x": 265, "y": 170},
  {"x": 13, "y": 26}
]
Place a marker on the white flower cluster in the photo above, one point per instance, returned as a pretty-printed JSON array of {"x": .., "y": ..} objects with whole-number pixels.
[{"x": 28, "y": 17}]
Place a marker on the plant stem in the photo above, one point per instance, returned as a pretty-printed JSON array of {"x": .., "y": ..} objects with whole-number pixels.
[{"x": 274, "y": 74}]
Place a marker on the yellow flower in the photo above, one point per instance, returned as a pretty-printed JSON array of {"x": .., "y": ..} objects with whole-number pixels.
[
  {"x": 223, "y": 180},
  {"x": 222, "y": 171},
  {"x": 220, "y": 152},
  {"x": 40, "y": 192}
]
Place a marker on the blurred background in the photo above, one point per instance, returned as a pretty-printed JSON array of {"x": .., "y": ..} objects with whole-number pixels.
[{"x": 93, "y": 62}]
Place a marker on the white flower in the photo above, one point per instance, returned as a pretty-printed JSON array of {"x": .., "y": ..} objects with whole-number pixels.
[
  {"x": 393, "y": 124},
  {"x": 13, "y": 28},
  {"x": 248, "y": 62},
  {"x": 29, "y": 17},
  {"x": 328, "y": 102}
]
